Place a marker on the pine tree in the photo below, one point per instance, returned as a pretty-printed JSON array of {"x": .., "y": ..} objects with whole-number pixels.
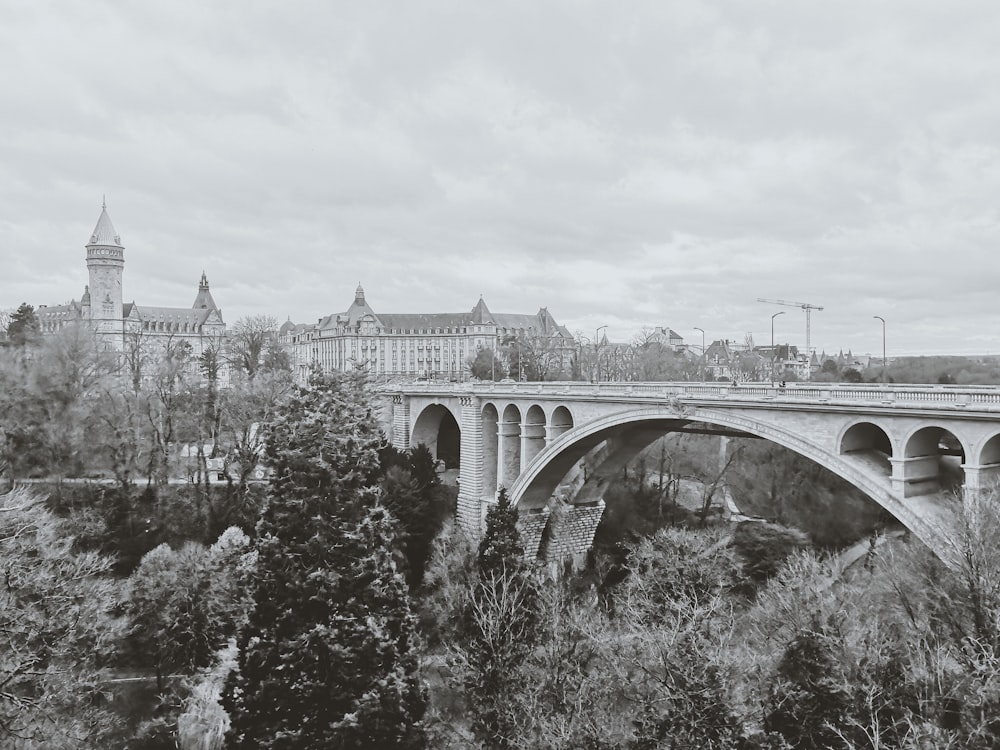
[
  {"x": 500, "y": 548},
  {"x": 325, "y": 443},
  {"x": 809, "y": 700},
  {"x": 377, "y": 627},
  {"x": 327, "y": 658},
  {"x": 502, "y": 628},
  {"x": 23, "y": 326},
  {"x": 408, "y": 490}
]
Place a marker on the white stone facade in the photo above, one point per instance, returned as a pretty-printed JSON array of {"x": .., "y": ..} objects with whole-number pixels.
[{"x": 410, "y": 345}]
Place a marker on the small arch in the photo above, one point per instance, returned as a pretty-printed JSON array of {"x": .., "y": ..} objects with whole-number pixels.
[
  {"x": 560, "y": 422},
  {"x": 868, "y": 442},
  {"x": 533, "y": 432},
  {"x": 934, "y": 458},
  {"x": 491, "y": 421},
  {"x": 509, "y": 438},
  {"x": 990, "y": 452}
]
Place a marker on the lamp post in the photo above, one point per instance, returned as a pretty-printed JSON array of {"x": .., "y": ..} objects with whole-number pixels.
[
  {"x": 879, "y": 317},
  {"x": 772, "y": 343},
  {"x": 597, "y": 349},
  {"x": 702, "y": 352},
  {"x": 581, "y": 342}
]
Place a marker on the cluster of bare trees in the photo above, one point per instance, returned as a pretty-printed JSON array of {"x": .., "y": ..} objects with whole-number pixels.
[
  {"x": 154, "y": 411},
  {"x": 680, "y": 652}
]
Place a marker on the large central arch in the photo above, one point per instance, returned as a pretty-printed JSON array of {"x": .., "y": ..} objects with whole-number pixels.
[{"x": 634, "y": 429}]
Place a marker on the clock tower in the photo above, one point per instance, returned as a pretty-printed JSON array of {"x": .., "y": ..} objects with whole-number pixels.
[{"x": 106, "y": 262}]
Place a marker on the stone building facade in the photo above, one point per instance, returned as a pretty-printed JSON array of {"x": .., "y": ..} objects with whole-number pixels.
[
  {"x": 123, "y": 325},
  {"x": 411, "y": 345}
]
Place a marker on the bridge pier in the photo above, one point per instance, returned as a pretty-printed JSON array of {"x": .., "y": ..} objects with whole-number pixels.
[
  {"x": 531, "y": 526},
  {"x": 914, "y": 475},
  {"x": 532, "y": 442},
  {"x": 472, "y": 471},
  {"x": 571, "y": 531},
  {"x": 508, "y": 453},
  {"x": 981, "y": 478},
  {"x": 401, "y": 422}
]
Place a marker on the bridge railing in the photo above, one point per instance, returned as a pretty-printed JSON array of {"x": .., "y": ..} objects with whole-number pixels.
[{"x": 958, "y": 396}]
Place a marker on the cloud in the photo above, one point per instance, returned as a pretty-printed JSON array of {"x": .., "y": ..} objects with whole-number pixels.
[{"x": 655, "y": 164}]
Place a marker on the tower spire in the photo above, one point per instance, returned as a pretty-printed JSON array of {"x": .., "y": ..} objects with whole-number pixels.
[{"x": 204, "y": 299}]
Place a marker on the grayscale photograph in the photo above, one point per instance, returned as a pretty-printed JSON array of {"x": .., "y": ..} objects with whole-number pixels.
[{"x": 556, "y": 375}]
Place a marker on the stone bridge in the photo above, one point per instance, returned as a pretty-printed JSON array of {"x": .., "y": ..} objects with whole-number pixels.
[{"x": 907, "y": 447}]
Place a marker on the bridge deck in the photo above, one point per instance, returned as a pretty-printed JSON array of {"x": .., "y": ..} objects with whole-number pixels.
[{"x": 944, "y": 397}]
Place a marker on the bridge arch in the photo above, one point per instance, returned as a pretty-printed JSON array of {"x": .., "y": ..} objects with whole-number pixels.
[
  {"x": 491, "y": 422},
  {"x": 534, "y": 433},
  {"x": 990, "y": 452},
  {"x": 936, "y": 457},
  {"x": 560, "y": 421},
  {"x": 509, "y": 447},
  {"x": 541, "y": 477},
  {"x": 437, "y": 428},
  {"x": 869, "y": 441}
]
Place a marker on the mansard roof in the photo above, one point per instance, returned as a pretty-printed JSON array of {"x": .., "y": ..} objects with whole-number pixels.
[
  {"x": 104, "y": 233},
  {"x": 541, "y": 322},
  {"x": 70, "y": 309},
  {"x": 425, "y": 321},
  {"x": 171, "y": 314}
]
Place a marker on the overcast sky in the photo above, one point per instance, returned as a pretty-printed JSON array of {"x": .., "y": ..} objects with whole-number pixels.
[{"x": 623, "y": 164}]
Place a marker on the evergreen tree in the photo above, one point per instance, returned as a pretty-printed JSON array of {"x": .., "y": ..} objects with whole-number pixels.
[
  {"x": 409, "y": 490},
  {"x": 377, "y": 627},
  {"x": 23, "y": 325},
  {"x": 324, "y": 444},
  {"x": 327, "y": 658},
  {"x": 810, "y": 703},
  {"x": 500, "y": 548},
  {"x": 56, "y": 632},
  {"x": 503, "y": 626}
]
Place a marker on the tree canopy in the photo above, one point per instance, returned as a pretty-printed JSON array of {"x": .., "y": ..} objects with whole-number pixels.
[
  {"x": 23, "y": 325},
  {"x": 327, "y": 657}
]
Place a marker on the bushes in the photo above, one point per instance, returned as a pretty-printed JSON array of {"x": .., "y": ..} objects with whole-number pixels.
[
  {"x": 130, "y": 523},
  {"x": 764, "y": 547}
]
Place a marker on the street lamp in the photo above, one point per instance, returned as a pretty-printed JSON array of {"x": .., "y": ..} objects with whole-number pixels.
[
  {"x": 879, "y": 317},
  {"x": 772, "y": 343},
  {"x": 581, "y": 342},
  {"x": 702, "y": 352},
  {"x": 597, "y": 348}
]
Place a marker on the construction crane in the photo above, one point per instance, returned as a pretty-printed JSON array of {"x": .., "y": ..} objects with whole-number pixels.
[{"x": 804, "y": 305}]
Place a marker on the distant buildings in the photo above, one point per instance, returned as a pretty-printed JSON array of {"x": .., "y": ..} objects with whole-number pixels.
[
  {"x": 413, "y": 345},
  {"x": 123, "y": 325},
  {"x": 744, "y": 362}
]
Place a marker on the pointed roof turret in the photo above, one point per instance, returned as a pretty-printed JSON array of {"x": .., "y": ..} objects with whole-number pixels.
[
  {"x": 204, "y": 299},
  {"x": 358, "y": 310},
  {"x": 85, "y": 299},
  {"x": 481, "y": 313},
  {"x": 104, "y": 233}
]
